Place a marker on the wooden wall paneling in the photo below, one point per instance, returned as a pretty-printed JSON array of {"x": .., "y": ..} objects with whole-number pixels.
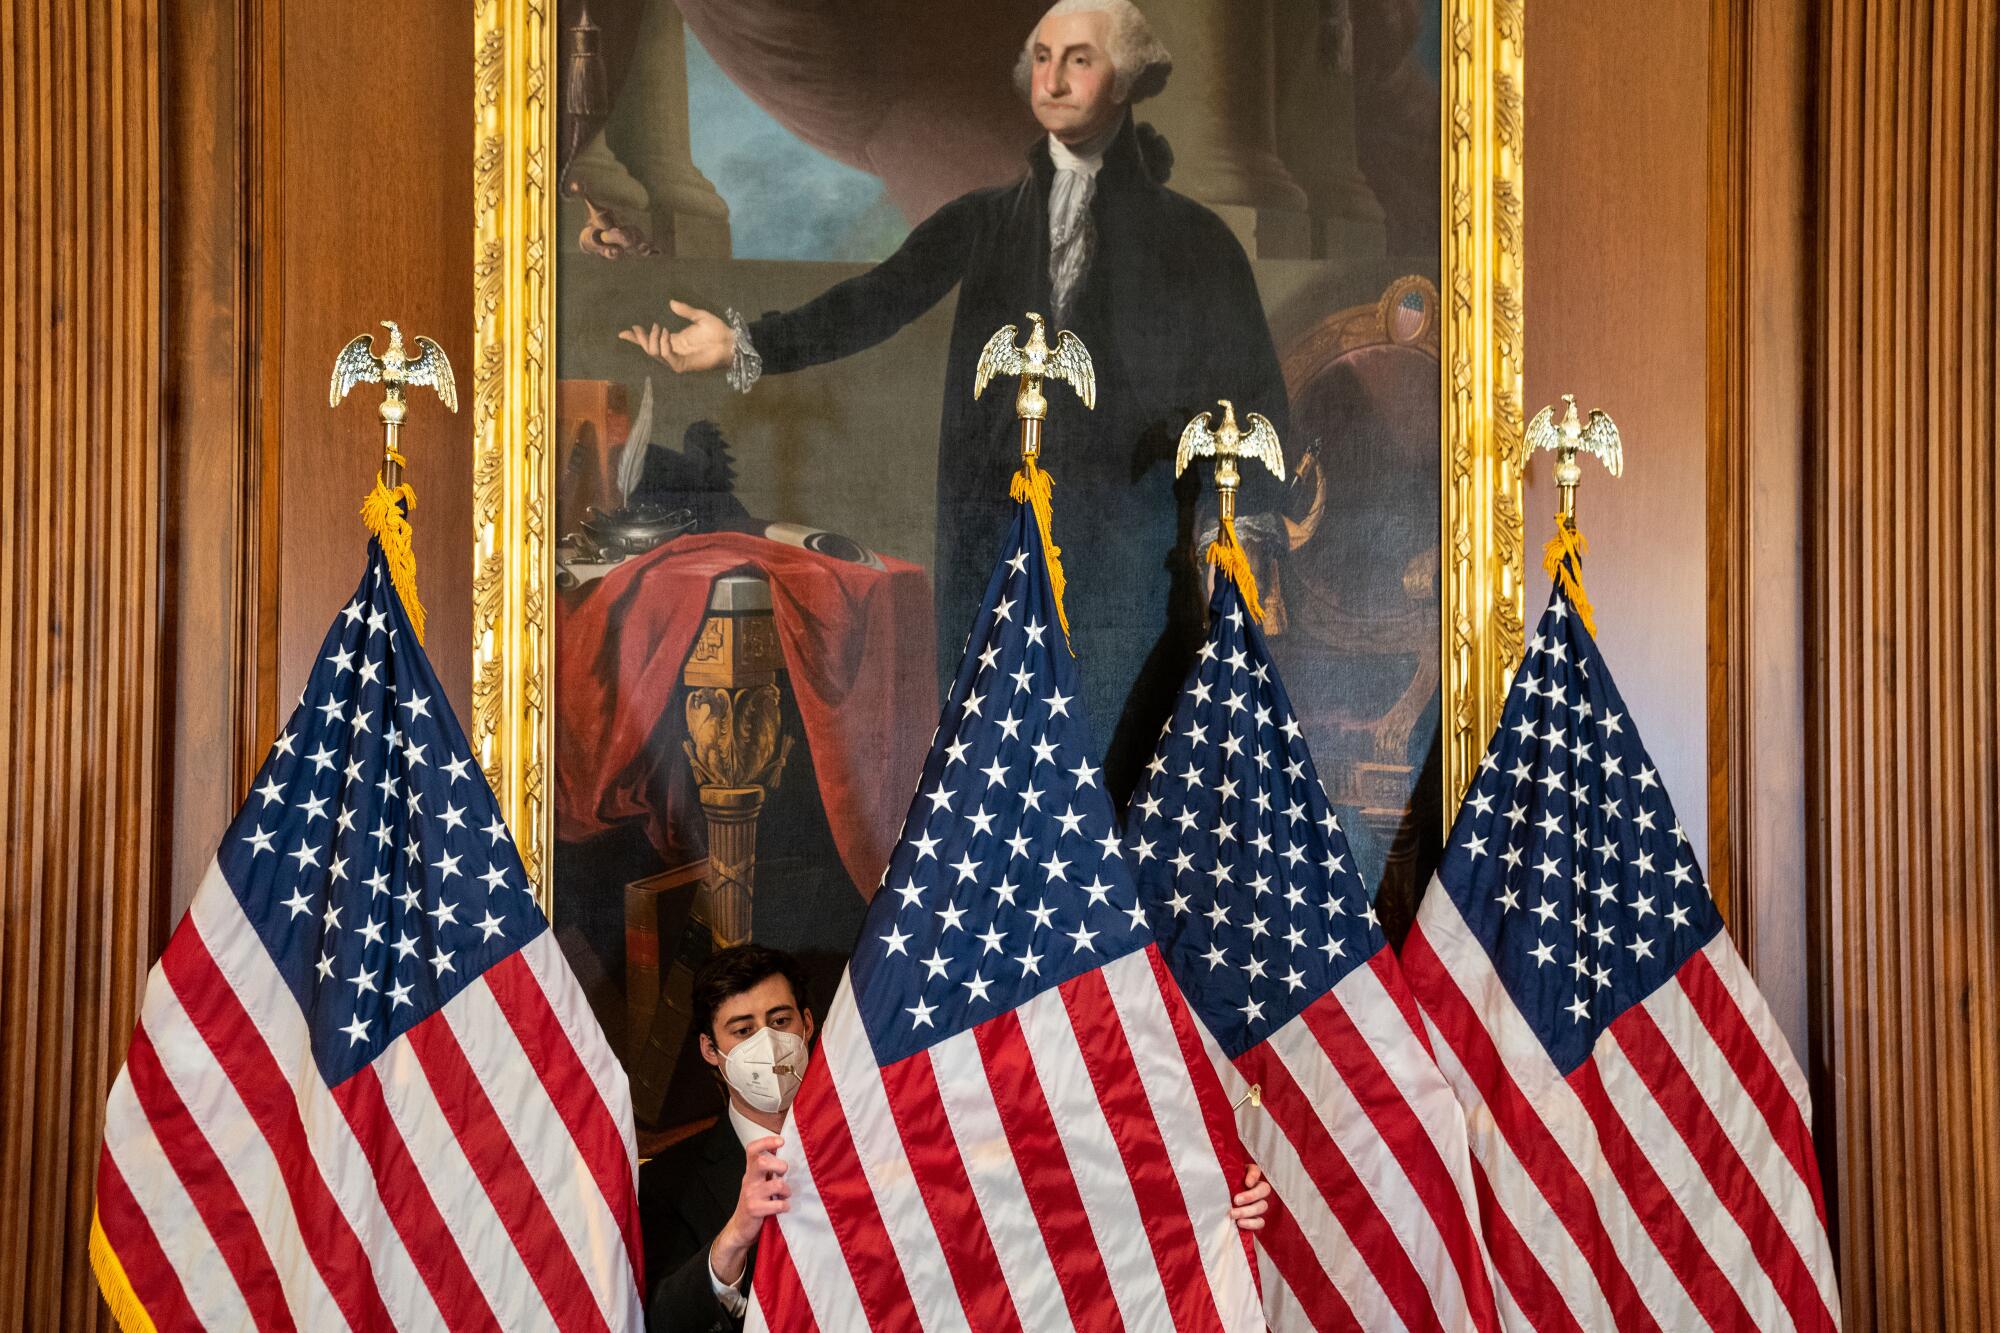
[
  {"x": 1728, "y": 461},
  {"x": 375, "y": 211},
  {"x": 1616, "y": 242},
  {"x": 1906, "y": 874},
  {"x": 221, "y": 96},
  {"x": 80, "y": 480},
  {"x": 1760, "y": 307}
]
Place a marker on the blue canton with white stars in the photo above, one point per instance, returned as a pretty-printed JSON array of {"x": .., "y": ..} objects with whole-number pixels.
[
  {"x": 1566, "y": 860},
  {"x": 1241, "y": 863},
  {"x": 370, "y": 857},
  {"x": 1008, "y": 878}
]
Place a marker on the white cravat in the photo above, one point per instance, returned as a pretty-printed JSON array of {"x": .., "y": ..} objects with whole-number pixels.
[{"x": 1072, "y": 238}]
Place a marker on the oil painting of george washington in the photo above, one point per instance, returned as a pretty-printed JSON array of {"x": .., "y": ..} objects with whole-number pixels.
[{"x": 786, "y": 235}]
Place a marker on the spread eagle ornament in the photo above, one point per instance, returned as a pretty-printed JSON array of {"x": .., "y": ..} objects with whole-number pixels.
[
  {"x": 1229, "y": 442},
  {"x": 1563, "y": 556},
  {"x": 1225, "y": 444},
  {"x": 357, "y": 364},
  {"x": 387, "y": 509},
  {"x": 1567, "y": 438},
  {"x": 1034, "y": 360}
]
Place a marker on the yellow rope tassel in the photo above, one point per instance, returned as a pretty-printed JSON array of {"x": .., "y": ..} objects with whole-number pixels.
[
  {"x": 390, "y": 523},
  {"x": 1227, "y": 554},
  {"x": 1033, "y": 485},
  {"x": 1563, "y": 559},
  {"x": 122, "y": 1301}
]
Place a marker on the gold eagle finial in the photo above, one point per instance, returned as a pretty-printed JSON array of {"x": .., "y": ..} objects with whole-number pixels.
[
  {"x": 1034, "y": 361},
  {"x": 1570, "y": 436},
  {"x": 1227, "y": 443},
  {"x": 358, "y": 364}
]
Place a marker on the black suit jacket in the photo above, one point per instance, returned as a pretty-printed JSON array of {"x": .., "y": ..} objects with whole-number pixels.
[
  {"x": 1170, "y": 313},
  {"x": 685, "y": 1195}
]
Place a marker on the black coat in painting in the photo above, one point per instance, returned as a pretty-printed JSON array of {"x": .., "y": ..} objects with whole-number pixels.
[{"x": 1170, "y": 314}]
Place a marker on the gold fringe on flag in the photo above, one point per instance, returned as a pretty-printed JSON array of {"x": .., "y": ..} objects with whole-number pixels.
[
  {"x": 1033, "y": 484},
  {"x": 390, "y": 523},
  {"x": 1227, "y": 554},
  {"x": 1563, "y": 559},
  {"x": 122, "y": 1301}
]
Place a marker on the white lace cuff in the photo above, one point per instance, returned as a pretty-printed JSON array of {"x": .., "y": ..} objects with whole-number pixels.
[{"x": 745, "y": 366}]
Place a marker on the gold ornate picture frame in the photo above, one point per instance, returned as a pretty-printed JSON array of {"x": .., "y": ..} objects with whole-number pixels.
[{"x": 513, "y": 387}]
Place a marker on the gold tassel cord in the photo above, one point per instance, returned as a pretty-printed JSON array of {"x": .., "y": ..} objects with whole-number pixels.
[
  {"x": 389, "y": 521},
  {"x": 119, "y": 1297},
  {"x": 1563, "y": 559},
  {"x": 1032, "y": 485},
  {"x": 1227, "y": 554}
]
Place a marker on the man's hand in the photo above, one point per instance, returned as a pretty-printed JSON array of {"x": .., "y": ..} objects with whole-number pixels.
[
  {"x": 705, "y": 344},
  {"x": 1252, "y": 1203},
  {"x": 763, "y": 1194}
]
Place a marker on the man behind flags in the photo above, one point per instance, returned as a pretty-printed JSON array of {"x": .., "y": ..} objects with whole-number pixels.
[
  {"x": 1638, "y": 1120},
  {"x": 366, "y": 1091},
  {"x": 1269, "y": 931},
  {"x": 999, "y": 1130}
]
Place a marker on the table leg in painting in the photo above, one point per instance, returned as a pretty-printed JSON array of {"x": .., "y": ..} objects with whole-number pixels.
[{"x": 736, "y": 744}]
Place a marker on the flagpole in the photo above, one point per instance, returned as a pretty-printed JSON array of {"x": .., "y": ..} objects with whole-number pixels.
[
  {"x": 1226, "y": 443},
  {"x": 1034, "y": 360},
  {"x": 1567, "y": 437},
  {"x": 386, "y": 510},
  {"x": 393, "y": 411}
]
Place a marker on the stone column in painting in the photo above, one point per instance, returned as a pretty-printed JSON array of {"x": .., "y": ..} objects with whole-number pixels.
[
  {"x": 1218, "y": 114},
  {"x": 649, "y": 134},
  {"x": 1315, "y": 120}
]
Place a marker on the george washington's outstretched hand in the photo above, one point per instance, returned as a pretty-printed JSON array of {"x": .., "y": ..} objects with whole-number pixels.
[{"x": 705, "y": 344}]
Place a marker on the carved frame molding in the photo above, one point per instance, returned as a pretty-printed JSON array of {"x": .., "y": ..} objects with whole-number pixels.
[{"x": 513, "y": 396}]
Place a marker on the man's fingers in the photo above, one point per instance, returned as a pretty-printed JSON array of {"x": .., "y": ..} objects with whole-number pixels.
[
  {"x": 1253, "y": 1175},
  {"x": 1259, "y": 1195},
  {"x": 771, "y": 1163},
  {"x": 684, "y": 310},
  {"x": 1251, "y": 1224}
]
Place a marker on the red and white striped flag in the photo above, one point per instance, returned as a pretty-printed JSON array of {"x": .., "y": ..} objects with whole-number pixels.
[
  {"x": 1270, "y": 933},
  {"x": 366, "y": 1091},
  {"x": 999, "y": 1130},
  {"x": 1639, "y": 1123}
]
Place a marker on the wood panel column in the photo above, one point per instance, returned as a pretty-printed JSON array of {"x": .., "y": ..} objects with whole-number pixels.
[
  {"x": 1761, "y": 275},
  {"x": 80, "y": 612},
  {"x": 1905, "y": 893}
]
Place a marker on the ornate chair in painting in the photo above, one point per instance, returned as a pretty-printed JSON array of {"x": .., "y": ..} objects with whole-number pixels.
[{"x": 1356, "y": 594}]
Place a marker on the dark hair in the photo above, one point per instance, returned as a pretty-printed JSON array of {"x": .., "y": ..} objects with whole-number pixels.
[{"x": 733, "y": 971}]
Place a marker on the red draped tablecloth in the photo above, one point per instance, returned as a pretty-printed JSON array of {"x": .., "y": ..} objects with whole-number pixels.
[{"x": 860, "y": 652}]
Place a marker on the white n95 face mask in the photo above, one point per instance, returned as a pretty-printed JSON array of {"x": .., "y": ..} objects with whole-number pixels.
[{"x": 765, "y": 1068}]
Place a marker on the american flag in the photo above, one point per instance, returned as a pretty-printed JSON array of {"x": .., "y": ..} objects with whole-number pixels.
[
  {"x": 998, "y": 1129},
  {"x": 1263, "y": 920},
  {"x": 1638, "y": 1120},
  {"x": 365, "y": 1090}
]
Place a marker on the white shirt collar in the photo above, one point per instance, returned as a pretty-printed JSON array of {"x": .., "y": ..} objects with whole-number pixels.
[{"x": 747, "y": 1130}]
